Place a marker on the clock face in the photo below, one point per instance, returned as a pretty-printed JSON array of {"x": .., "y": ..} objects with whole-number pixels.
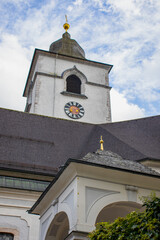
[{"x": 74, "y": 110}]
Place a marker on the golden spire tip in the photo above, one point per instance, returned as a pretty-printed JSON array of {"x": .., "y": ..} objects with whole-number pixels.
[
  {"x": 66, "y": 25},
  {"x": 101, "y": 144},
  {"x": 66, "y": 18}
]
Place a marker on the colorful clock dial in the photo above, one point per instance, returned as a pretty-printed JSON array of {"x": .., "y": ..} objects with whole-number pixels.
[{"x": 74, "y": 110}]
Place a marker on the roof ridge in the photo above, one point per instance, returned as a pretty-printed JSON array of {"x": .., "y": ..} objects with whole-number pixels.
[
  {"x": 123, "y": 141},
  {"x": 135, "y": 119}
]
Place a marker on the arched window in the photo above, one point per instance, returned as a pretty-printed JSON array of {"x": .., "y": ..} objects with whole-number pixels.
[
  {"x": 73, "y": 84},
  {"x": 6, "y": 236}
]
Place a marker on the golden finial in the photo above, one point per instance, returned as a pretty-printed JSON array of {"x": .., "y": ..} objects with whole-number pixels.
[
  {"x": 66, "y": 25},
  {"x": 101, "y": 142}
]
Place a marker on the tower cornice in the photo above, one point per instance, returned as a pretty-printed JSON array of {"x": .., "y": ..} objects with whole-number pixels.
[{"x": 39, "y": 52}]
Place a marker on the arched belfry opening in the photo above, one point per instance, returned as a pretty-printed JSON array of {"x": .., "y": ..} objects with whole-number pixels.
[
  {"x": 73, "y": 84},
  {"x": 59, "y": 227},
  {"x": 117, "y": 209}
]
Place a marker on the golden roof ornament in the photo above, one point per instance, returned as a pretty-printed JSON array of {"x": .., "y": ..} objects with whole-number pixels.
[
  {"x": 101, "y": 144},
  {"x": 66, "y": 25}
]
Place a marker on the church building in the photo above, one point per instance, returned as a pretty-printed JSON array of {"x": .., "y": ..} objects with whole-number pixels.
[{"x": 64, "y": 165}]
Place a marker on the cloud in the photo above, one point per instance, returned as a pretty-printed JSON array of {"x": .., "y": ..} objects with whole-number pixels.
[
  {"x": 121, "y": 109},
  {"x": 78, "y": 2},
  {"x": 14, "y": 65},
  {"x": 124, "y": 33}
]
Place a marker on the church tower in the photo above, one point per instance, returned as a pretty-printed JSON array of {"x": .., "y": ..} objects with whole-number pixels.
[{"x": 62, "y": 83}]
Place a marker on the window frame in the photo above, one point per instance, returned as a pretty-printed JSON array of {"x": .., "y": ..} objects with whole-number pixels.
[{"x": 77, "y": 73}]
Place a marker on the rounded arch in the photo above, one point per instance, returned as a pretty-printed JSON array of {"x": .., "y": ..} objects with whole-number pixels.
[
  {"x": 99, "y": 205},
  {"x": 117, "y": 209},
  {"x": 14, "y": 225},
  {"x": 59, "y": 227},
  {"x": 74, "y": 71}
]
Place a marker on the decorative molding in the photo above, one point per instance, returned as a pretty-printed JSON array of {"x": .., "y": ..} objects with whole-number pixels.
[
  {"x": 131, "y": 188},
  {"x": 47, "y": 75},
  {"x": 10, "y": 231},
  {"x": 39, "y": 52},
  {"x": 55, "y": 202},
  {"x": 37, "y": 89},
  {"x": 43, "y": 74},
  {"x": 93, "y": 195},
  {"x": 15, "y": 223},
  {"x": 76, "y": 72},
  {"x": 131, "y": 193},
  {"x": 9, "y": 202},
  {"x": 99, "y": 85},
  {"x": 74, "y": 95}
]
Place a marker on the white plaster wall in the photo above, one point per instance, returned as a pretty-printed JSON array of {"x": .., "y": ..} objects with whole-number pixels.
[
  {"x": 48, "y": 100},
  {"x": 43, "y": 95},
  {"x": 101, "y": 194},
  {"x": 57, "y": 66},
  {"x": 83, "y": 200},
  {"x": 66, "y": 202},
  {"x": 85, "y": 195},
  {"x": 14, "y": 215}
]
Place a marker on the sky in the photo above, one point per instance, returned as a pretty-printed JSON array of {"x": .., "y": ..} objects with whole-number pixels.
[{"x": 124, "y": 33}]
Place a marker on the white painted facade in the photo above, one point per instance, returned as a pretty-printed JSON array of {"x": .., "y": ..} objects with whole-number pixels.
[
  {"x": 48, "y": 95},
  {"x": 84, "y": 195},
  {"x": 14, "y": 217}
]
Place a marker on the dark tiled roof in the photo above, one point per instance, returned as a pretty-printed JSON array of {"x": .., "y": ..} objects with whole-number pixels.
[
  {"x": 104, "y": 159},
  {"x": 42, "y": 144},
  {"x": 110, "y": 159},
  {"x": 143, "y": 135}
]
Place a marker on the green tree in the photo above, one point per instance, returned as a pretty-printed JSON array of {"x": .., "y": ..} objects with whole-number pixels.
[{"x": 135, "y": 226}]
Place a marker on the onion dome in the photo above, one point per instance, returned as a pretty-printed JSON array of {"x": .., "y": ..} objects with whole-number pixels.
[{"x": 66, "y": 45}]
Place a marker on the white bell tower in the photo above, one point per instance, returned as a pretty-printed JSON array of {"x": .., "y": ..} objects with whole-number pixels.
[{"x": 62, "y": 83}]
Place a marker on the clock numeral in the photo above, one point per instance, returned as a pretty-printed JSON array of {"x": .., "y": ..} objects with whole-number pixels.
[
  {"x": 70, "y": 114},
  {"x": 78, "y": 105}
]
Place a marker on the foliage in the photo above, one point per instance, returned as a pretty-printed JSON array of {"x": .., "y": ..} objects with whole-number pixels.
[{"x": 135, "y": 226}]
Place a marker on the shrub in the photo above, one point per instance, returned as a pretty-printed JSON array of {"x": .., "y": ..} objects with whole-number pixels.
[{"x": 135, "y": 226}]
